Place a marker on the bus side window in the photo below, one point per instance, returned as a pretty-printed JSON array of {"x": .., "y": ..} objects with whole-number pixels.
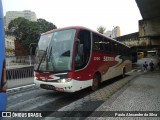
[
  {"x": 119, "y": 49},
  {"x": 96, "y": 44},
  {"x": 101, "y": 42},
  {"x": 107, "y": 45},
  {"x": 128, "y": 52},
  {"x": 122, "y": 50},
  {"x": 115, "y": 47}
]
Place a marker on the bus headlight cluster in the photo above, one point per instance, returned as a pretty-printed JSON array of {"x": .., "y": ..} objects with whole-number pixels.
[{"x": 64, "y": 80}]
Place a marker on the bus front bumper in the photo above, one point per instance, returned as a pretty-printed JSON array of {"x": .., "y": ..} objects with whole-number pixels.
[{"x": 71, "y": 86}]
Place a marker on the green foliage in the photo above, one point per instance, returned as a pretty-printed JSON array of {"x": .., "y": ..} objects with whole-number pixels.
[
  {"x": 45, "y": 26},
  {"x": 15, "y": 23},
  {"x": 28, "y": 31},
  {"x": 101, "y": 29}
]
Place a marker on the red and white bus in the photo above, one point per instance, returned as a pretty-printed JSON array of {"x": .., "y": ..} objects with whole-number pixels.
[{"x": 73, "y": 58}]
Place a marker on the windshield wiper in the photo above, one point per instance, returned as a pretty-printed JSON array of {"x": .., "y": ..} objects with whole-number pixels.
[
  {"x": 43, "y": 56},
  {"x": 51, "y": 58},
  {"x": 47, "y": 57}
]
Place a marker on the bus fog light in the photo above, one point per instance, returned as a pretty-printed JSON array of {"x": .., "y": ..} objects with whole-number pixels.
[{"x": 64, "y": 80}]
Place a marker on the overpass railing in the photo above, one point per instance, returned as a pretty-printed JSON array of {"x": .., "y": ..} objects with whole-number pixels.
[{"x": 19, "y": 76}]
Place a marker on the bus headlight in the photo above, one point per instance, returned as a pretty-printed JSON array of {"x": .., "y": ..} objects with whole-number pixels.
[
  {"x": 35, "y": 78},
  {"x": 64, "y": 80}
]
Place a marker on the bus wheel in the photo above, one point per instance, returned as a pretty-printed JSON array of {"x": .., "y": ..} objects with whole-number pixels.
[
  {"x": 95, "y": 83},
  {"x": 124, "y": 73}
]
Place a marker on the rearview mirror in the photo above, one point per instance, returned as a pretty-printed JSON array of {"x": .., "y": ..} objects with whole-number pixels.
[{"x": 32, "y": 48}]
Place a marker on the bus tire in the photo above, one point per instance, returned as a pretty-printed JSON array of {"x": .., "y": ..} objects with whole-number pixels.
[
  {"x": 95, "y": 83},
  {"x": 123, "y": 73}
]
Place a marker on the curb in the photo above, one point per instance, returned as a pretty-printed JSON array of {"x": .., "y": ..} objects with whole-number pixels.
[{"x": 16, "y": 89}]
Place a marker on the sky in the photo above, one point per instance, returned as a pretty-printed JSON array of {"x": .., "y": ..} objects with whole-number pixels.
[{"x": 87, "y": 13}]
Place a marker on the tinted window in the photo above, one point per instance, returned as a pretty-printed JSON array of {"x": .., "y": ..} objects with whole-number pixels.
[
  {"x": 115, "y": 47},
  {"x": 107, "y": 45},
  {"x": 96, "y": 42}
]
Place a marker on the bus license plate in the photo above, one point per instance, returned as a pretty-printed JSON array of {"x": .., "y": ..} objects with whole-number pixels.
[{"x": 49, "y": 87}]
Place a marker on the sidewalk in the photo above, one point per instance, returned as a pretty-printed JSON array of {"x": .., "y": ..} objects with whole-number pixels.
[{"x": 141, "y": 94}]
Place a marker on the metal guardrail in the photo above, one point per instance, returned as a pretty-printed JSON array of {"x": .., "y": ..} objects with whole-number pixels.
[
  {"x": 19, "y": 73},
  {"x": 19, "y": 77}
]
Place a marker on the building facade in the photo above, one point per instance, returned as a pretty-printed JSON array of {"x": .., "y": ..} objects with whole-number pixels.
[
  {"x": 114, "y": 33},
  {"x": 141, "y": 44},
  {"x": 27, "y": 14},
  {"x": 10, "y": 45}
]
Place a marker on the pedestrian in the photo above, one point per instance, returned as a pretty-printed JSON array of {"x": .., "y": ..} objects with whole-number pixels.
[
  {"x": 151, "y": 64},
  {"x": 145, "y": 66}
]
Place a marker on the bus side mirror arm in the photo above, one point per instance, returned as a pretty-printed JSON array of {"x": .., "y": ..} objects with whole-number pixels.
[{"x": 31, "y": 46}]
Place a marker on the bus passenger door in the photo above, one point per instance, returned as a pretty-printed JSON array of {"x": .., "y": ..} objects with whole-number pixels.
[
  {"x": 83, "y": 54},
  {"x": 83, "y": 49}
]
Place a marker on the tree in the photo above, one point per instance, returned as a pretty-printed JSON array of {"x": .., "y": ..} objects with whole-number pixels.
[
  {"x": 15, "y": 23},
  {"x": 101, "y": 29},
  {"x": 28, "y": 31},
  {"x": 45, "y": 26}
]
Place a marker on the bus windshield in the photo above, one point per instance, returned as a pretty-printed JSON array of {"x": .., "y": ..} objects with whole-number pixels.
[{"x": 54, "y": 51}]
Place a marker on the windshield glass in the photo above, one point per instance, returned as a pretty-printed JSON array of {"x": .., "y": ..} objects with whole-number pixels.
[{"x": 54, "y": 51}]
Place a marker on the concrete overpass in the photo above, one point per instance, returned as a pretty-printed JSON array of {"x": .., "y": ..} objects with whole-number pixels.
[
  {"x": 149, "y": 8},
  {"x": 148, "y": 37},
  {"x": 150, "y": 12}
]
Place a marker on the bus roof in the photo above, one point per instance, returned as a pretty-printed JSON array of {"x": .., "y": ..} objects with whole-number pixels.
[
  {"x": 70, "y": 27},
  {"x": 81, "y": 27}
]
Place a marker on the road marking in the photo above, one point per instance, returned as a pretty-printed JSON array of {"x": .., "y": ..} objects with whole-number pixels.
[{"x": 21, "y": 87}]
